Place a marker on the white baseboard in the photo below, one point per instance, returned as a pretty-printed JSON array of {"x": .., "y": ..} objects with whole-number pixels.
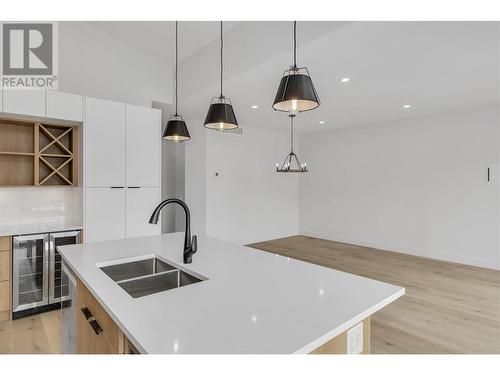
[{"x": 471, "y": 261}]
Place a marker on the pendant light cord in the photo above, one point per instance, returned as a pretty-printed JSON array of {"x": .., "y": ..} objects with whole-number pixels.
[
  {"x": 176, "y": 63},
  {"x": 221, "y": 61},
  {"x": 295, "y": 44}
]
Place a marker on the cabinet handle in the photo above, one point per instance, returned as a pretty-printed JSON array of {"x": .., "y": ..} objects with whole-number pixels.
[
  {"x": 134, "y": 187},
  {"x": 86, "y": 313},
  {"x": 91, "y": 320},
  {"x": 116, "y": 187},
  {"x": 95, "y": 326}
]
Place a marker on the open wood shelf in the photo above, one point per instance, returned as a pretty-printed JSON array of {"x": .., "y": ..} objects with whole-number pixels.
[{"x": 37, "y": 154}]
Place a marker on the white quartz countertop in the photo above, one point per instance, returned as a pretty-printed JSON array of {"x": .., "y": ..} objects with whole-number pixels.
[
  {"x": 35, "y": 228},
  {"x": 252, "y": 302}
]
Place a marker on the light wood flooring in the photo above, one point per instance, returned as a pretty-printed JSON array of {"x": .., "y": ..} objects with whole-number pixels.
[
  {"x": 37, "y": 334},
  {"x": 448, "y": 307}
]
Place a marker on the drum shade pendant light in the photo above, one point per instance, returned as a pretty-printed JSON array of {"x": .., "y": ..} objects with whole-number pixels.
[
  {"x": 220, "y": 114},
  {"x": 296, "y": 92},
  {"x": 291, "y": 162},
  {"x": 176, "y": 129}
]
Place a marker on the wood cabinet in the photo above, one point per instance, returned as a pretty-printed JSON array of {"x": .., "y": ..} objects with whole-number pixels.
[
  {"x": 140, "y": 203},
  {"x": 104, "y": 143},
  {"x": 97, "y": 333},
  {"x": 5, "y": 277},
  {"x": 24, "y": 102},
  {"x": 105, "y": 212},
  {"x": 143, "y": 135},
  {"x": 61, "y": 105},
  {"x": 37, "y": 153}
]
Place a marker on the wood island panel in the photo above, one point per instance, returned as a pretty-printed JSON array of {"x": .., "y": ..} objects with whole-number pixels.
[{"x": 338, "y": 345}]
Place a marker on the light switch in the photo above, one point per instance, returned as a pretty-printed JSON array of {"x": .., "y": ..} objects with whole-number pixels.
[{"x": 355, "y": 339}]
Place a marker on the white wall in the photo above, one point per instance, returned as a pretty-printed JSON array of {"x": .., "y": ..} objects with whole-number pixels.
[
  {"x": 417, "y": 186},
  {"x": 94, "y": 63},
  {"x": 172, "y": 176},
  {"x": 195, "y": 176},
  {"x": 29, "y": 205},
  {"x": 249, "y": 202}
]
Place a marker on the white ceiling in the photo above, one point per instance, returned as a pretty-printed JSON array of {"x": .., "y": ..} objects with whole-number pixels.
[
  {"x": 436, "y": 67},
  {"x": 157, "y": 37}
]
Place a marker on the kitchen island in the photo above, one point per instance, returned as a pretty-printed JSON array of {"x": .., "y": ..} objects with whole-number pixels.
[{"x": 248, "y": 301}]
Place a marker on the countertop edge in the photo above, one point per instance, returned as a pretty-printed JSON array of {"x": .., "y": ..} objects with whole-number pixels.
[
  {"x": 350, "y": 323},
  {"x": 22, "y": 232}
]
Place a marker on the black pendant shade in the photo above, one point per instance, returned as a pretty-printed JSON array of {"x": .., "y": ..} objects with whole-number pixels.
[
  {"x": 176, "y": 130},
  {"x": 220, "y": 115},
  {"x": 296, "y": 92}
]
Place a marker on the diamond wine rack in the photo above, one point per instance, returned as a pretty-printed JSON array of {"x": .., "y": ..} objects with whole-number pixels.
[{"x": 37, "y": 154}]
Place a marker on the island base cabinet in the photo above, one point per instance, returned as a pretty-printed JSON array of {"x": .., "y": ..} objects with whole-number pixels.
[
  {"x": 97, "y": 333},
  {"x": 338, "y": 345}
]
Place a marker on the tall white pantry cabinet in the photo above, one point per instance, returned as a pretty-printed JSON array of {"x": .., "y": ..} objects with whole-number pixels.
[{"x": 122, "y": 169}]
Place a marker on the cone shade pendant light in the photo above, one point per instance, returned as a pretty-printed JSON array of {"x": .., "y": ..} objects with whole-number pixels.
[
  {"x": 291, "y": 162},
  {"x": 296, "y": 92},
  {"x": 220, "y": 114},
  {"x": 176, "y": 129}
]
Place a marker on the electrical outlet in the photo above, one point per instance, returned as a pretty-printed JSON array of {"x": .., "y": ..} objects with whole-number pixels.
[{"x": 355, "y": 339}]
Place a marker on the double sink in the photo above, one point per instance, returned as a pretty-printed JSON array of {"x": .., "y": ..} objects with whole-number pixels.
[{"x": 149, "y": 275}]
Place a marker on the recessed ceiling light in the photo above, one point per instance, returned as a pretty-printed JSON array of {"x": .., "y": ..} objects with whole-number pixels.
[
  {"x": 255, "y": 106},
  {"x": 406, "y": 106},
  {"x": 321, "y": 122},
  {"x": 345, "y": 80}
]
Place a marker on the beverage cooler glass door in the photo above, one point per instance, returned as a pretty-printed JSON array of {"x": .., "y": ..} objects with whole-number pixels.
[
  {"x": 58, "y": 281},
  {"x": 30, "y": 268}
]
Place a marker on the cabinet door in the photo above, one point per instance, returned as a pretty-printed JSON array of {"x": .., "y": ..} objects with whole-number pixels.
[
  {"x": 1, "y": 99},
  {"x": 104, "y": 143},
  {"x": 143, "y": 146},
  {"x": 24, "y": 102},
  {"x": 85, "y": 335},
  {"x": 61, "y": 105},
  {"x": 104, "y": 214},
  {"x": 140, "y": 205}
]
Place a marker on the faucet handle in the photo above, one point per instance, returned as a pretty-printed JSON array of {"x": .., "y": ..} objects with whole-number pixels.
[{"x": 194, "y": 244}]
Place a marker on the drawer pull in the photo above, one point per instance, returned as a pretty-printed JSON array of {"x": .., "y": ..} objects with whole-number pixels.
[
  {"x": 86, "y": 313},
  {"x": 91, "y": 320}
]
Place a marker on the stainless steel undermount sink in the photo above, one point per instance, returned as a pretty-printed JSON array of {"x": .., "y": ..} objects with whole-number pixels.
[{"x": 149, "y": 275}]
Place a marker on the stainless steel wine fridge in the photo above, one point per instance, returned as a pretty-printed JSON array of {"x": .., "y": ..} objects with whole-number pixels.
[{"x": 38, "y": 283}]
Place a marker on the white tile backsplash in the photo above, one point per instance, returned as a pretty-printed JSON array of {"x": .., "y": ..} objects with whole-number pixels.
[{"x": 57, "y": 205}]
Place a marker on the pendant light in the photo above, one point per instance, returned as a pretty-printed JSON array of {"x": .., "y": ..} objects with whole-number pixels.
[
  {"x": 296, "y": 92},
  {"x": 176, "y": 129},
  {"x": 220, "y": 114},
  {"x": 291, "y": 162}
]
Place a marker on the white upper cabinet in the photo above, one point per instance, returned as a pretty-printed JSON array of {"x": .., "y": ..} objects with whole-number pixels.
[
  {"x": 61, "y": 105},
  {"x": 24, "y": 102},
  {"x": 143, "y": 146},
  {"x": 104, "y": 214},
  {"x": 140, "y": 205},
  {"x": 104, "y": 130}
]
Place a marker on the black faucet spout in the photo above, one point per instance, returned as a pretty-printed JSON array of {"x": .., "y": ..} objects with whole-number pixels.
[{"x": 190, "y": 245}]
